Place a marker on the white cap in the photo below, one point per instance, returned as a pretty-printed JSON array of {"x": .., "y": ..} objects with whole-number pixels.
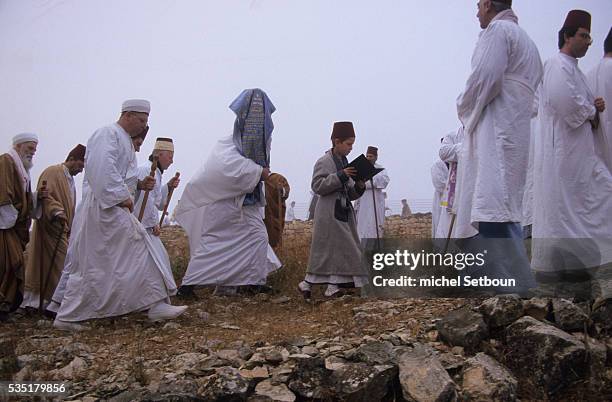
[
  {"x": 163, "y": 144},
  {"x": 25, "y": 137},
  {"x": 136, "y": 105}
]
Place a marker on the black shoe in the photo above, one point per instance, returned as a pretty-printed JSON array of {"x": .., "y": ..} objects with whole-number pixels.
[
  {"x": 49, "y": 314},
  {"x": 186, "y": 292}
]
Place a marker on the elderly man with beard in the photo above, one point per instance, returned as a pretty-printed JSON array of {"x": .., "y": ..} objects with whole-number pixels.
[
  {"x": 49, "y": 241},
  {"x": 17, "y": 204}
]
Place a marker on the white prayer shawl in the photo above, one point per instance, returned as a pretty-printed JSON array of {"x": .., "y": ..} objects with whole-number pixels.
[
  {"x": 572, "y": 185},
  {"x": 228, "y": 242},
  {"x": 495, "y": 109},
  {"x": 113, "y": 268},
  {"x": 600, "y": 81},
  {"x": 364, "y": 206},
  {"x": 439, "y": 176}
]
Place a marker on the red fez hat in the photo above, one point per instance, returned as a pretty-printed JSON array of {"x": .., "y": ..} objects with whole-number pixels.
[
  {"x": 77, "y": 153},
  {"x": 343, "y": 130},
  {"x": 578, "y": 19},
  {"x": 372, "y": 150},
  {"x": 143, "y": 134}
]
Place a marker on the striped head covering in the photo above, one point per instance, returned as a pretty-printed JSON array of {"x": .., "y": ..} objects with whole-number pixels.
[
  {"x": 253, "y": 125},
  {"x": 253, "y": 131}
]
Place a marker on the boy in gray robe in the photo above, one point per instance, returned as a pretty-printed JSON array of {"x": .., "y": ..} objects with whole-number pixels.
[{"x": 335, "y": 252}]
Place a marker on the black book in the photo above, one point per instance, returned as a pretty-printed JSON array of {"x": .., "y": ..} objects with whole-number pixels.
[{"x": 365, "y": 169}]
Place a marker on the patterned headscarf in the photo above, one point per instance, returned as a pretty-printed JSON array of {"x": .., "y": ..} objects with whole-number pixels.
[{"x": 253, "y": 131}]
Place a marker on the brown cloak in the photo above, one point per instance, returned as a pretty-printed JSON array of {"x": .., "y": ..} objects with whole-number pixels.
[
  {"x": 45, "y": 233},
  {"x": 13, "y": 241}
]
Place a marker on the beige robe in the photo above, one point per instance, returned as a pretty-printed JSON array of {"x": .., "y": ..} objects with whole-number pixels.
[
  {"x": 45, "y": 233},
  {"x": 335, "y": 248},
  {"x": 13, "y": 240}
]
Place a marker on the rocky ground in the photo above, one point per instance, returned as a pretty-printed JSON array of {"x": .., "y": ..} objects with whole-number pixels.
[{"x": 276, "y": 347}]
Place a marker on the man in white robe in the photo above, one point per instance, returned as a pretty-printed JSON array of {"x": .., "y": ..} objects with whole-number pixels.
[
  {"x": 448, "y": 157},
  {"x": 221, "y": 208},
  {"x": 156, "y": 201},
  {"x": 600, "y": 81},
  {"x": 495, "y": 109},
  {"x": 364, "y": 206},
  {"x": 112, "y": 264},
  {"x": 290, "y": 215},
  {"x": 572, "y": 225},
  {"x": 439, "y": 176}
]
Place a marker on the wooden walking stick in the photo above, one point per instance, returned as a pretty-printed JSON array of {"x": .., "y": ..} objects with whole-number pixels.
[
  {"x": 375, "y": 215},
  {"x": 281, "y": 218},
  {"x": 450, "y": 231},
  {"x": 43, "y": 187},
  {"x": 146, "y": 195},
  {"x": 165, "y": 212}
]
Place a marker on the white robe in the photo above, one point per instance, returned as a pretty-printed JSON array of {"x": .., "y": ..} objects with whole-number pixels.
[
  {"x": 439, "y": 176},
  {"x": 290, "y": 215},
  {"x": 364, "y": 207},
  {"x": 572, "y": 185},
  {"x": 600, "y": 82},
  {"x": 449, "y": 152},
  {"x": 150, "y": 218},
  {"x": 155, "y": 202},
  {"x": 495, "y": 109},
  {"x": 228, "y": 241},
  {"x": 528, "y": 193},
  {"x": 113, "y": 268}
]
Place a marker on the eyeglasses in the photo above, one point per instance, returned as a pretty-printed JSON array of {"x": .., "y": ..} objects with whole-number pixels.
[{"x": 586, "y": 36}]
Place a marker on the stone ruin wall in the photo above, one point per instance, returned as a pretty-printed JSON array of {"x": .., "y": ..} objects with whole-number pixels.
[{"x": 299, "y": 233}]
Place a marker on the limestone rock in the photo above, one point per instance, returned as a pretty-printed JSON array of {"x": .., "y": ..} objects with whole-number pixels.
[
  {"x": 363, "y": 382},
  {"x": 423, "y": 378},
  {"x": 500, "y": 311},
  {"x": 274, "y": 392},
  {"x": 484, "y": 379},
  {"x": 568, "y": 316},
  {"x": 463, "y": 327},
  {"x": 550, "y": 357}
]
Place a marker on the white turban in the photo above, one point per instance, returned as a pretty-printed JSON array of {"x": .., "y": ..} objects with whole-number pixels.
[
  {"x": 136, "y": 105},
  {"x": 25, "y": 137}
]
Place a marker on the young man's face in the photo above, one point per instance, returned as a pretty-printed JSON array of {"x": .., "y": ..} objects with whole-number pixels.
[
  {"x": 579, "y": 44},
  {"x": 344, "y": 147},
  {"x": 372, "y": 158},
  {"x": 75, "y": 166}
]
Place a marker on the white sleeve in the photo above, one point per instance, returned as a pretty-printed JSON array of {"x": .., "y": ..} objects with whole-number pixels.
[
  {"x": 8, "y": 216},
  {"x": 489, "y": 63}
]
